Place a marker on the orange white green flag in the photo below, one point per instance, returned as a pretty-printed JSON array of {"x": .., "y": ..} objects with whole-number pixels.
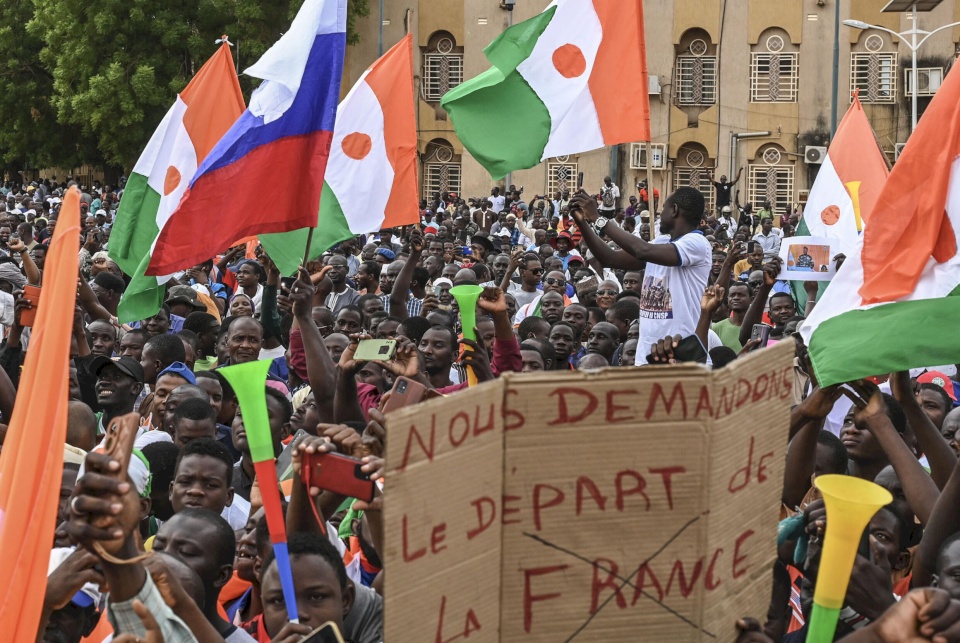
[
  {"x": 903, "y": 279},
  {"x": 848, "y": 184},
  {"x": 201, "y": 115},
  {"x": 557, "y": 87},
  {"x": 370, "y": 182}
]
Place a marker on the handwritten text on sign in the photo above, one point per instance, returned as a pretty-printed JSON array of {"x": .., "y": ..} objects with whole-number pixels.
[{"x": 545, "y": 508}]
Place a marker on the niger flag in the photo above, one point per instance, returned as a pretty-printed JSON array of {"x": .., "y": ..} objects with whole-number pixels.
[
  {"x": 32, "y": 461},
  {"x": 893, "y": 303},
  {"x": 848, "y": 184}
]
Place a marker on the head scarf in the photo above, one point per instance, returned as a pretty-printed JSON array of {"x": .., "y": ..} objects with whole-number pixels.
[{"x": 9, "y": 272}]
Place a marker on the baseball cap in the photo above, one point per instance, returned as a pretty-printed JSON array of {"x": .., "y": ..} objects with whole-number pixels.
[
  {"x": 725, "y": 208},
  {"x": 186, "y": 295},
  {"x": 941, "y": 380},
  {"x": 575, "y": 257},
  {"x": 127, "y": 365},
  {"x": 180, "y": 370}
]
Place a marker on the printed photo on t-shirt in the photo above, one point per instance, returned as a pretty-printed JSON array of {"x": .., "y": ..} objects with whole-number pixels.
[{"x": 655, "y": 299}]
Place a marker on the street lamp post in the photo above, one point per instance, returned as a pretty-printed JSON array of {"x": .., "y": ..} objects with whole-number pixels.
[{"x": 912, "y": 44}]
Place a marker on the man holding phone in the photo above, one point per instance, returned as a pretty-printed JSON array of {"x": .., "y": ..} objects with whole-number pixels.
[{"x": 677, "y": 263}]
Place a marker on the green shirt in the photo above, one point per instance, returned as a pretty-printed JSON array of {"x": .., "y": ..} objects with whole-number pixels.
[
  {"x": 765, "y": 214},
  {"x": 728, "y": 333}
]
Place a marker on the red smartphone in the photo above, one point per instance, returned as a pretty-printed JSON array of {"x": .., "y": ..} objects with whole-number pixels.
[
  {"x": 29, "y": 315},
  {"x": 404, "y": 393},
  {"x": 338, "y": 473}
]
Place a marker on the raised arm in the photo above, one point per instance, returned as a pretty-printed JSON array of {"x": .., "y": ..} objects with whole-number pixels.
[
  {"x": 755, "y": 312},
  {"x": 321, "y": 371},
  {"x": 941, "y": 457},
  {"x": 90, "y": 302},
  {"x": 944, "y": 522},
  {"x": 734, "y": 255},
  {"x": 711, "y": 300},
  {"x": 516, "y": 259},
  {"x": 401, "y": 287},
  {"x": 918, "y": 487},
  {"x": 29, "y": 268},
  {"x": 806, "y": 421},
  {"x": 635, "y": 250}
]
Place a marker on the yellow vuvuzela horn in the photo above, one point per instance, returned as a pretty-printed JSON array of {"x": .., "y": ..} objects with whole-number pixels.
[
  {"x": 467, "y": 297},
  {"x": 851, "y": 503}
]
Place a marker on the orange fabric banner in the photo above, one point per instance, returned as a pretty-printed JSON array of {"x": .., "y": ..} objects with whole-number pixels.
[{"x": 31, "y": 464}]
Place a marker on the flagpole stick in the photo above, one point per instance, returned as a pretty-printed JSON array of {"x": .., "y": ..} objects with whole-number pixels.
[{"x": 306, "y": 251}]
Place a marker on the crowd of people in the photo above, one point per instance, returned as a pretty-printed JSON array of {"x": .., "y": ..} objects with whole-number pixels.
[{"x": 179, "y": 550}]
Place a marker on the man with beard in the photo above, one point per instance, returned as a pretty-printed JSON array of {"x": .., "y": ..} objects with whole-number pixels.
[{"x": 119, "y": 383}]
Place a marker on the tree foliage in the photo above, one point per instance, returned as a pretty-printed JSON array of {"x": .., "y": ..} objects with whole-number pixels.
[{"x": 90, "y": 80}]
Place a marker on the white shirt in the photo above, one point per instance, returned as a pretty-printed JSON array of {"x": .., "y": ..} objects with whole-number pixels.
[
  {"x": 497, "y": 202},
  {"x": 670, "y": 296},
  {"x": 770, "y": 243}
]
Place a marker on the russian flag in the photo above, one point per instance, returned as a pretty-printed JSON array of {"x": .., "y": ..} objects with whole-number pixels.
[{"x": 266, "y": 173}]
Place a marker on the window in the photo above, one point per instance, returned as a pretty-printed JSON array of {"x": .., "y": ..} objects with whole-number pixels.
[
  {"x": 561, "y": 175},
  {"x": 875, "y": 75},
  {"x": 442, "y": 69},
  {"x": 767, "y": 181},
  {"x": 696, "y": 80},
  {"x": 696, "y": 177},
  {"x": 773, "y": 77},
  {"x": 440, "y": 177}
]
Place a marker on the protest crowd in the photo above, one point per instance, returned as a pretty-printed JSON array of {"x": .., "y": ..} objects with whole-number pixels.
[
  {"x": 561, "y": 291},
  {"x": 243, "y": 419}
]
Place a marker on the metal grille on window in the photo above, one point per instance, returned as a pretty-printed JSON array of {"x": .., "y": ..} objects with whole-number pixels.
[
  {"x": 440, "y": 177},
  {"x": 696, "y": 177},
  {"x": 774, "y": 77},
  {"x": 441, "y": 73},
  {"x": 875, "y": 75},
  {"x": 773, "y": 183},
  {"x": 561, "y": 176},
  {"x": 696, "y": 78}
]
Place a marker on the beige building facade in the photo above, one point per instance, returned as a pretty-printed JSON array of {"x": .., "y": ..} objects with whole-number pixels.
[{"x": 733, "y": 83}]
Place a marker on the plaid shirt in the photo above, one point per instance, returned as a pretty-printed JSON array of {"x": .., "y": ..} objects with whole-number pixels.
[
  {"x": 414, "y": 305},
  {"x": 125, "y": 620}
]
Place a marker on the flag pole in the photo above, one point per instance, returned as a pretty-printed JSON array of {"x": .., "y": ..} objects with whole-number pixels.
[{"x": 306, "y": 251}]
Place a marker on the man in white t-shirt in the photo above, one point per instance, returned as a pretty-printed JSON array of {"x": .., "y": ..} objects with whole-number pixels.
[
  {"x": 609, "y": 198},
  {"x": 497, "y": 200},
  {"x": 677, "y": 263}
]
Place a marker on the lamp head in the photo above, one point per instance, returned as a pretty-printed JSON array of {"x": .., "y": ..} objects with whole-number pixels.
[{"x": 856, "y": 24}]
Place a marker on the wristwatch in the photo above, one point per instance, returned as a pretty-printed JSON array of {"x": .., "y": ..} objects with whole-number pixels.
[{"x": 601, "y": 224}]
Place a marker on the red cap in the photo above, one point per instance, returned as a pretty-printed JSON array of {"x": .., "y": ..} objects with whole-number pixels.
[{"x": 941, "y": 380}]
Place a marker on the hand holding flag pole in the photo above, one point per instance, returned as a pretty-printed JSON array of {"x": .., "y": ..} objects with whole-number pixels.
[{"x": 248, "y": 382}]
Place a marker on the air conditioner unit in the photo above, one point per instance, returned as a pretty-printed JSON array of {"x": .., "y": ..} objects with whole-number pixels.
[
  {"x": 898, "y": 150},
  {"x": 930, "y": 79},
  {"x": 638, "y": 156},
  {"x": 814, "y": 154},
  {"x": 653, "y": 85}
]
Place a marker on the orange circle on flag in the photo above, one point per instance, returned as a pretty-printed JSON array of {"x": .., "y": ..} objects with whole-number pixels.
[
  {"x": 171, "y": 180},
  {"x": 356, "y": 145},
  {"x": 569, "y": 61},
  {"x": 830, "y": 215}
]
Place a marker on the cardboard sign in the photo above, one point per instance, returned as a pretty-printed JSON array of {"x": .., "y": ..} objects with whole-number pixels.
[
  {"x": 632, "y": 504},
  {"x": 808, "y": 259}
]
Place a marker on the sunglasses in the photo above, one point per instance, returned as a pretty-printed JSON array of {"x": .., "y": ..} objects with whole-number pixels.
[
  {"x": 536, "y": 271},
  {"x": 555, "y": 282},
  {"x": 607, "y": 292}
]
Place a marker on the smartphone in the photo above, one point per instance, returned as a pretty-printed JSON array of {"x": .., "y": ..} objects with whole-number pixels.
[
  {"x": 404, "y": 393},
  {"x": 762, "y": 333},
  {"x": 690, "y": 349},
  {"x": 326, "y": 633},
  {"x": 370, "y": 349},
  {"x": 29, "y": 315},
  {"x": 338, "y": 473},
  {"x": 579, "y": 180},
  {"x": 287, "y": 282}
]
